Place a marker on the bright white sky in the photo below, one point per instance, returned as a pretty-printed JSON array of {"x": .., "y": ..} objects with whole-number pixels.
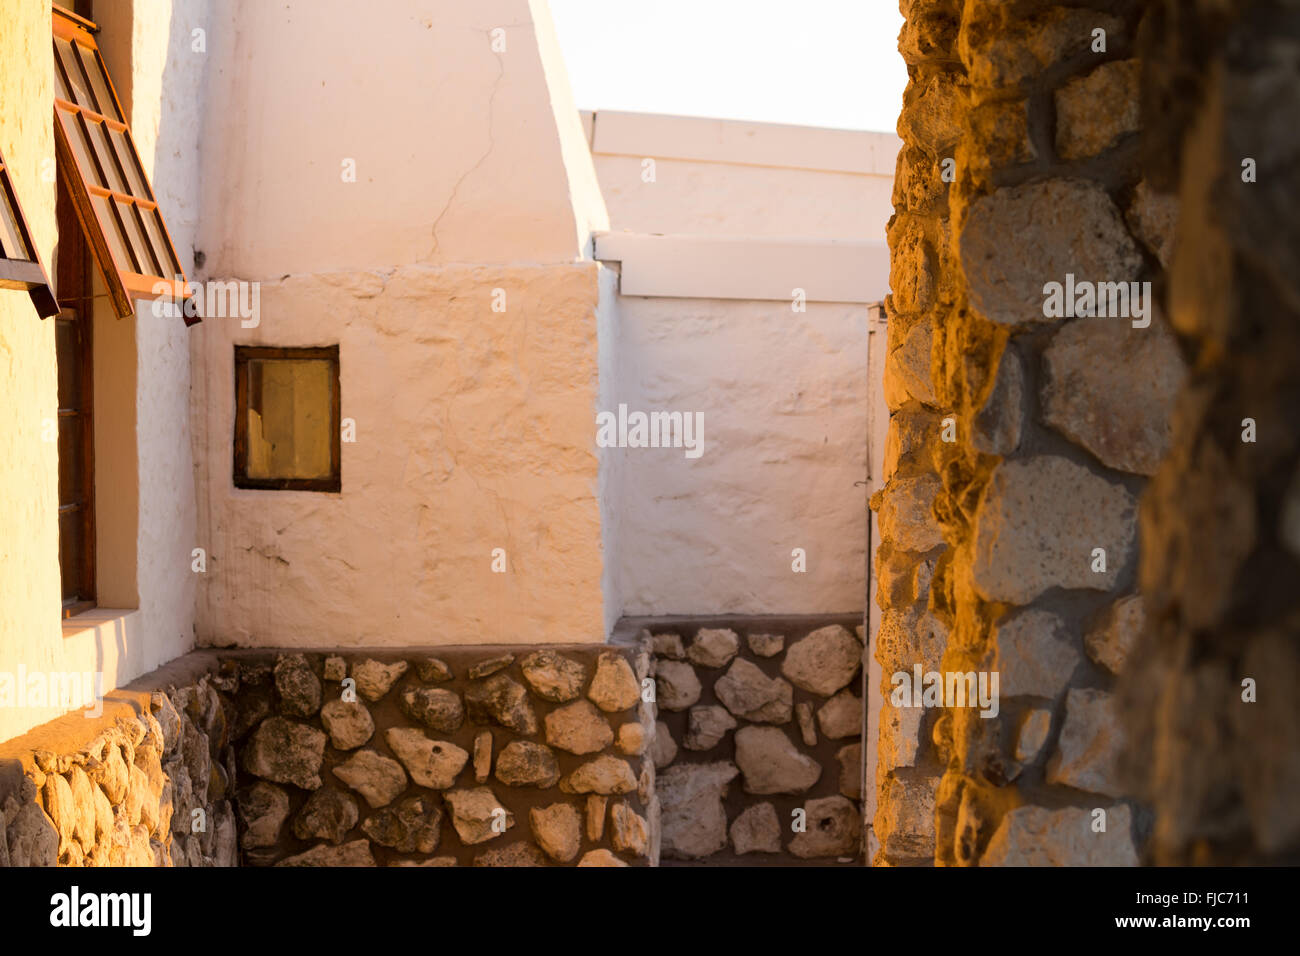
[{"x": 807, "y": 62}]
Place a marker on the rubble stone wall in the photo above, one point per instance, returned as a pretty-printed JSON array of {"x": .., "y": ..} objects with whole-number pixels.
[
  {"x": 1021, "y": 437},
  {"x": 758, "y": 744},
  {"x": 149, "y": 782},
  {"x": 485, "y": 756}
]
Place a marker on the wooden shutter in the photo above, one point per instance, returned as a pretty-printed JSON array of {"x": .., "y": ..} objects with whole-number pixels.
[
  {"x": 99, "y": 161},
  {"x": 20, "y": 263}
]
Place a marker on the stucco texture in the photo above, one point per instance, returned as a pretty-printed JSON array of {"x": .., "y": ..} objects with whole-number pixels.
[
  {"x": 785, "y": 446},
  {"x": 474, "y": 431}
]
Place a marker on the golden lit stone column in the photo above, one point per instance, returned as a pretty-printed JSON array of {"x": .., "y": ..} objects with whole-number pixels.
[{"x": 1024, "y": 427}]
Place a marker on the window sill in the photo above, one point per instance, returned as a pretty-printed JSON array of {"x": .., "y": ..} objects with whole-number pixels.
[{"x": 100, "y": 619}]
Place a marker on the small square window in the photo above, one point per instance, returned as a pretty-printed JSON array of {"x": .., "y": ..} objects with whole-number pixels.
[{"x": 287, "y": 418}]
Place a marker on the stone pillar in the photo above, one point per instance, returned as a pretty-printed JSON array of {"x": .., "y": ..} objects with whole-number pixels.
[
  {"x": 1022, "y": 434},
  {"x": 1219, "y": 759}
]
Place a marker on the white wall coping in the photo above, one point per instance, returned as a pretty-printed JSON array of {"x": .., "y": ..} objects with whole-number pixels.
[
  {"x": 613, "y": 132},
  {"x": 705, "y": 267}
]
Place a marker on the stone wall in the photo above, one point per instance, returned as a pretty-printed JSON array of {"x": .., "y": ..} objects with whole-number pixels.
[
  {"x": 758, "y": 743},
  {"x": 490, "y": 756},
  {"x": 149, "y": 782},
  {"x": 1019, "y": 441},
  {"x": 1212, "y": 710}
]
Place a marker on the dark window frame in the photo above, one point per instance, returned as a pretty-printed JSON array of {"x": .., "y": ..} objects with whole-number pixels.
[
  {"x": 73, "y": 278},
  {"x": 243, "y": 355},
  {"x": 24, "y": 270}
]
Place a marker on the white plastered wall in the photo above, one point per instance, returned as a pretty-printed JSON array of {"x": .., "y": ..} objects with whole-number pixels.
[
  {"x": 474, "y": 427},
  {"x": 710, "y": 249}
]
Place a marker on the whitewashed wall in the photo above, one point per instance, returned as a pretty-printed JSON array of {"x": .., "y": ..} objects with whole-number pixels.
[
  {"x": 473, "y": 427},
  {"x": 784, "y": 394}
]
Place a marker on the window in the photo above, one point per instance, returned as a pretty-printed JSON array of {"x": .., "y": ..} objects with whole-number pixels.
[
  {"x": 287, "y": 418},
  {"x": 73, "y": 350},
  {"x": 111, "y": 193},
  {"x": 20, "y": 264}
]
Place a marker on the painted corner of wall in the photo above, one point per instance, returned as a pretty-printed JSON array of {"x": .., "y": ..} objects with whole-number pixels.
[{"x": 589, "y": 212}]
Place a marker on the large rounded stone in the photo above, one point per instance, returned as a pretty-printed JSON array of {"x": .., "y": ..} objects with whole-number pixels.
[
  {"x": 1034, "y": 654},
  {"x": 298, "y": 687},
  {"x": 614, "y": 687},
  {"x": 833, "y": 829},
  {"x": 553, "y": 676},
  {"x": 823, "y": 661},
  {"x": 374, "y": 679},
  {"x": 578, "y": 728},
  {"x": 1082, "y": 128},
  {"x": 706, "y": 726},
  {"x": 431, "y": 763},
  {"x": 522, "y": 763},
  {"x": 501, "y": 700},
  {"x": 1111, "y": 640},
  {"x": 284, "y": 751},
  {"x": 264, "y": 808},
  {"x": 557, "y": 830},
  {"x": 410, "y": 827},
  {"x": 693, "y": 821},
  {"x": 604, "y": 775},
  {"x": 771, "y": 763},
  {"x": 32, "y": 838},
  {"x": 1089, "y": 747},
  {"x": 1018, "y": 238},
  {"x": 377, "y": 778},
  {"x": 477, "y": 815},
  {"x": 749, "y": 693},
  {"x": 1037, "y": 525},
  {"x": 841, "y": 716},
  {"x": 349, "y": 725},
  {"x": 1111, "y": 388},
  {"x": 713, "y": 647},
  {"x": 437, "y": 709},
  {"x": 663, "y": 749},
  {"x": 756, "y": 830},
  {"x": 628, "y": 830},
  {"x": 328, "y": 814},
  {"x": 676, "y": 685}
]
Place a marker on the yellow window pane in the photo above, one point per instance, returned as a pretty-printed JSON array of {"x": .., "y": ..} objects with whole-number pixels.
[{"x": 289, "y": 412}]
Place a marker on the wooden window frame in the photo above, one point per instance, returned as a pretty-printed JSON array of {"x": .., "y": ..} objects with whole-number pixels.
[
  {"x": 73, "y": 279},
  {"x": 25, "y": 272},
  {"x": 129, "y": 279},
  {"x": 243, "y": 355},
  {"x": 86, "y": 412}
]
